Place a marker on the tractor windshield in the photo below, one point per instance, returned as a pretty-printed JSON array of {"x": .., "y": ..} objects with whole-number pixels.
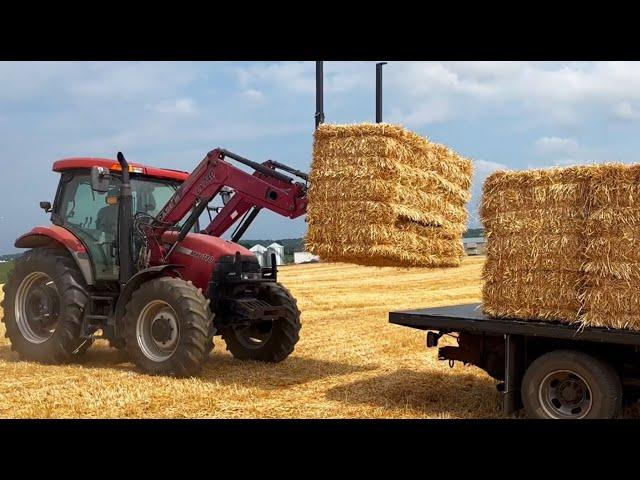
[{"x": 93, "y": 216}]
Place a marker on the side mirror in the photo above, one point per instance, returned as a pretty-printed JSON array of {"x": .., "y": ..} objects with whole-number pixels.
[
  {"x": 46, "y": 206},
  {"x": 100, "y": 179}
]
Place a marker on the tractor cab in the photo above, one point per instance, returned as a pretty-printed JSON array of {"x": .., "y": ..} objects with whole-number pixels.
[{"x": 91, "y": 214}]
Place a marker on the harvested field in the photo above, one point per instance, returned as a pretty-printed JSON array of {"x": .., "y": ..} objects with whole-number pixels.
[{"x": 350, "y": 362}]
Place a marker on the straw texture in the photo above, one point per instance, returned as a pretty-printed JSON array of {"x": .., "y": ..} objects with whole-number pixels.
[
  {"x": 381, "y": 195},
  {"x": 563, "y": 245}
]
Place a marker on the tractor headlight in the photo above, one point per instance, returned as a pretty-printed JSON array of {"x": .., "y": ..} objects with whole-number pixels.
[{"x": 250, "y": 276}]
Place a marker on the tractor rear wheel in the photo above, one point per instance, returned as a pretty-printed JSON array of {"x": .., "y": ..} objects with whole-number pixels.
[
  {"x": 167, "y": 324},
  {"x": 43, "y": 303},
  {"x": 267, "y": 341}
]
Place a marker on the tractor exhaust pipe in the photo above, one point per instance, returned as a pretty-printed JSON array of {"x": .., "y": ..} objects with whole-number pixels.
[
  {"x": 379, "y": 91},
  {"x": 319, "y": 94},
  {"x": 125, "y": 221}
]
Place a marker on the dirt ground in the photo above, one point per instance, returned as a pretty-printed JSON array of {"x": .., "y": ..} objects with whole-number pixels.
[{"x": 350, "y": 362}]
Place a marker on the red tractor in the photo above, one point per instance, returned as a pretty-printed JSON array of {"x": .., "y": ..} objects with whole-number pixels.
[{"x": 125, "y": 259}]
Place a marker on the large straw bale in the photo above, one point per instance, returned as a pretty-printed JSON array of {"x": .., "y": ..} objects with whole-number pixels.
[
  {"x": 382, "y": 195},
  {"x": 564, "y": 245}
]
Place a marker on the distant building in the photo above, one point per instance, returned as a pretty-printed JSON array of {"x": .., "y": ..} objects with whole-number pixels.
[
  {"x": 475, "y": 245},
  {"x": 263, "y": 254},
  {"x": 259, "y": 251},
  {"x": 278, "y": 250},
  {"x": 304, "y": 257}
]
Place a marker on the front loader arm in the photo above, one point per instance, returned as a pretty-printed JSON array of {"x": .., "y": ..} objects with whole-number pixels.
[
  {"x": 266, "y": 188},
  {"x": 293, "y": 205}
]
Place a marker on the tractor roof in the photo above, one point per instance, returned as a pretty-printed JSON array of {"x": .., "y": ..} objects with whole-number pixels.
[{"x": 87, "y": 162}]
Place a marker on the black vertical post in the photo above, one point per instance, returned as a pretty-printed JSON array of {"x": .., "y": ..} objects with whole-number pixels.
[
  {"x": 379, "y": 91},
  {"x": 511, "y": 374},
  {"x": 125, "y": 221},
  {"x": 319, "y": 94},
  {"x": 274, "y": 267}
]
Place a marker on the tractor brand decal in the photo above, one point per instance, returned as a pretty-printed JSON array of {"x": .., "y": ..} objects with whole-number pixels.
[
  {"x": 234, "y": 214},
  {"x": 208, "y": 178},
  {"x": 193, "y": 253},
  {"x": 173, "y": 201}
]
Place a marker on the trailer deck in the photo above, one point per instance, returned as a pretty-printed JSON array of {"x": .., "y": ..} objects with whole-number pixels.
[
  {"x": 469, "y": 318},
  {"x": 506, "y": 348}
]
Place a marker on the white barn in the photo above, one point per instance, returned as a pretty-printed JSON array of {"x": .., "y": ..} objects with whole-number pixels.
[
  {"x": 475, "y": 245},
  {"x": 259, "y": 251},
  {"x": 278, "y": 250},
  {"x": 263, "y": 254},
  {"x": 304, "y": 257}
]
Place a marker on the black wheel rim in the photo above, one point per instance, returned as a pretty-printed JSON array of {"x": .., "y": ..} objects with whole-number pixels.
[
  {"x": 37, "y": 307},
  {"x": 565, "y": 394}
]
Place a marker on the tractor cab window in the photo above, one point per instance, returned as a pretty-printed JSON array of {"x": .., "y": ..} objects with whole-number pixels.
[
  {"x": 150, "y": 196},
  {"x": 93, "y": 217}
]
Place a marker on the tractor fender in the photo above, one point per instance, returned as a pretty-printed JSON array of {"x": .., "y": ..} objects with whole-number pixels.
[
  {"x": 137, "y": 280},
  {"x": 53, "y": 236}
]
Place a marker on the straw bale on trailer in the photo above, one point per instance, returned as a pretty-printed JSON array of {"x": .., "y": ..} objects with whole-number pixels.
[
  {"x": 382, "y": 195},
  {"x": 563, "y": 245}
]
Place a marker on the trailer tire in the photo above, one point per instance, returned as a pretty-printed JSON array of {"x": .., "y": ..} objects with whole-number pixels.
[
  {"x": 167, "y": 323},
  {"x": 47, "y": 284},
  {"x": 569, "y": 384},
  {"x": 283, "y": 335}
]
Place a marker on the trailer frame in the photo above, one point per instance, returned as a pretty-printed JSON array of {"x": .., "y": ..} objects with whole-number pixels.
[{"x": 505, "y": 347}]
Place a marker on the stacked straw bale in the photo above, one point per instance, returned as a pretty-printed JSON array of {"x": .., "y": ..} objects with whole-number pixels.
[
  {"x": 563, "y": 245},
  {"x": 381, "y": 195}
]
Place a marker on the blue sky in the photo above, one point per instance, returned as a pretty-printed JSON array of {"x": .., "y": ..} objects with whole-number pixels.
[{"x": 500, "y": 114}]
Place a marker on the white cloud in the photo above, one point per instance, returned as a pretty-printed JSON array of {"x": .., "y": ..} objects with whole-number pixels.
[
  {"x": 289, "y": 76},
  {"x": 555, "y": 91},
  {"x": 174, "y": 111},
  {"x": 431, "y": 112},
  {"x": 180, "y": 106},
  {"x": 556, "y": 145},
  {"x": 481, "y": 170},
  {"x": 99, "y": 81},
  {"x": 253, "y": 95},
  {"x": 625, "y": 111}
]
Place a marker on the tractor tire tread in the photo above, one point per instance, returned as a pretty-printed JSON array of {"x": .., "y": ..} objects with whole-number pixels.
[{"x": 65, "y": 340}]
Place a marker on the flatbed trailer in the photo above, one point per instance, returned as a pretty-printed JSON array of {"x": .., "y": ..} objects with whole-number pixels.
[{"x": 551, "y": 369}]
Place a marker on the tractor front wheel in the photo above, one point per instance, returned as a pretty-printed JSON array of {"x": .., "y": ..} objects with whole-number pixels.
[
  {"x": 269, "y": 340},
  {"x": 167, "y": 324}
]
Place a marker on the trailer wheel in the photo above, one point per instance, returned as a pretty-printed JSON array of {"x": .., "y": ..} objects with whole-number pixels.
[
  {"x": 167, "y": 325},
  {"x": 569, "y": 384},
  {"x": 43, "y": 303},
  {"x": 268, "y": 341}
]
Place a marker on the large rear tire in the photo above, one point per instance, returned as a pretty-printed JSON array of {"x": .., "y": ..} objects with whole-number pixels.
[
  {"x": 569, "y": 384},
  {"x": 268, "y": 341},
  {"x": 167, "y": 325},
  {"x": 44, "y": 299}
]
